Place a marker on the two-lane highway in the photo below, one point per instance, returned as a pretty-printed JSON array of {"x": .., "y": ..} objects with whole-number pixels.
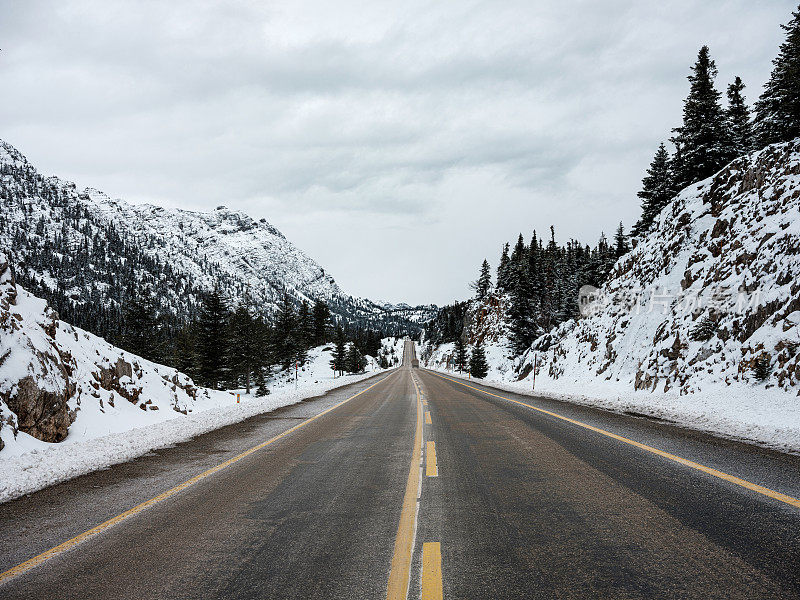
[{"x": 417, "y": 484}]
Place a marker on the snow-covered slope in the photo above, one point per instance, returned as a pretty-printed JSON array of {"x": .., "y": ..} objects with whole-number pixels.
[
  {"x": 700, "y": 323},
  {"x": 59, "y": 382},
  {"x": 70, "y": 402},
  {"x": 710, "y": 292},
  {"x": 82, "y": 249}
]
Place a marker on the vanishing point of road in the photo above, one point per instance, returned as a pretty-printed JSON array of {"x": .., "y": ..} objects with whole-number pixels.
[{"x": 418, "y": 484}]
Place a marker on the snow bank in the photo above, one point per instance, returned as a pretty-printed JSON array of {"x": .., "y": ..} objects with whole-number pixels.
[{"x": 110, "y": 405}]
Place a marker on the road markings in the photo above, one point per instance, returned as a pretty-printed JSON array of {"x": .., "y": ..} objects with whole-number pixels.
[
  {"x": 400, "y": 572},
  {"x": 786, "y": 499},
  {"x": 71, "y": 543},
  {"x": 431, "y": 469},
  {"x": 431, "y": 571},
  {"x": 428, "y": 418}
]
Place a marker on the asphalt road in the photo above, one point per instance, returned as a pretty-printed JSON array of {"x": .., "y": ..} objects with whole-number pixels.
[{"x": 415, "y": 480}]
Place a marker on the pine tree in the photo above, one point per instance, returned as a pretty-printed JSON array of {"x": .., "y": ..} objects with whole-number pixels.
[
  {"x": 478, "y": 367},
  {"x": 778, "y": 109},
  {"x": 339, "y": 357},
  {"x": 140, "y": 325},
  {"x": 518, "y": 255},
  {"x": 305, "y": 325},
  {"x": 702, "y": 139},
  {"x": 520, "y": 311},
  {"x": 321, "y": 317},
  {"x": 287, "y": 343},
  {"x": 484, "y": 282},
  {"x": 461, "y": 357},
  {"x": 658, "y": 188},
  {"x": 245, "y": 350},
  {"x": 738, "y": 115},
  {"x": 355, "y": 361},
  {"x": 504, "y": 271},
  {"x": 212, "y": 329},
  {"x": 621, "y": 246}
]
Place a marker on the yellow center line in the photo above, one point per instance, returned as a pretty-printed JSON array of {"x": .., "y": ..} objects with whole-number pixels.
[
  {"x": 431, "y": 571},
  {"x": 428, "y": 418},
  {"x": 397, "y": 587},
  {"x": 64, "y": 546},
  {"x": 786, "y": 499},
  {"x": 431, "y": 470}
]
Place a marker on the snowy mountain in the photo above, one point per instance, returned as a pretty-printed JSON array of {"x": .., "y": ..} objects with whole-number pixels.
[{"x": 85, "y": 253}]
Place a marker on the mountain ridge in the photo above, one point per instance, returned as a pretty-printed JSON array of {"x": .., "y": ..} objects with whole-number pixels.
[{"x": 78, "y": 248}]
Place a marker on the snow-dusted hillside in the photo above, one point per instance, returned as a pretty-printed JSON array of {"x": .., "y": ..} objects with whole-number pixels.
[
  {"x": 700, "y": 323},
  {"x": 70, "y": 402},
  {"x": 81, "y": 248},
  {"x": 59, "y": 382}
]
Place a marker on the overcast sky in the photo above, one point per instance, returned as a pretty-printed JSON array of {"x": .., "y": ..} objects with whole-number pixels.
[{"x": 397, "y": 143}]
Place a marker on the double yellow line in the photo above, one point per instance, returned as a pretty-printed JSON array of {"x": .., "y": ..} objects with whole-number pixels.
[
  {"x": 786, "y": 499},
  {"x": 63, "y": 547}
]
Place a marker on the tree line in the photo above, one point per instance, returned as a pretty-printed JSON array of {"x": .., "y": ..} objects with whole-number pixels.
[
  {"x": 236, "y": 347},
  {"x": 711, "y": 135},
  {"x": 541, "y": 280}
]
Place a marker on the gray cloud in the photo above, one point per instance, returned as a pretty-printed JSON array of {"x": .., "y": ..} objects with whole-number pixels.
[{"x": 398, "y": 143}]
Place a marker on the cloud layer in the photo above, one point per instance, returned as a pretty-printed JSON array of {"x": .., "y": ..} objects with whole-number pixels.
[{"x": 397, "y": 143}]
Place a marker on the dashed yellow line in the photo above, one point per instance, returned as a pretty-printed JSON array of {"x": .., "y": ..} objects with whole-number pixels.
[
  {"x": 400, "y": 571},
  {"x": 428, "y": 418},
  {"x": 431, "y": 571},
  {"x": 63, "y": 547},
  {"x": 431, "y": 469},
  {"x": 786, "y": 499}
]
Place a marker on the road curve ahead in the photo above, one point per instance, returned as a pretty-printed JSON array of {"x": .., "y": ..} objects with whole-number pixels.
[{"x": 418, "y": 484}]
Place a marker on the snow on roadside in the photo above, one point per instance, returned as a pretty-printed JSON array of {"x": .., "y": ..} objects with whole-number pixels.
[
  {"x": 769, "y": 418},
  {"x": 41, "y": 464}
]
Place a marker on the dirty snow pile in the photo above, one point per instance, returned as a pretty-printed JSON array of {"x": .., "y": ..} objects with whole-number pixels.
[
  {"x": 71, "y": 403},
  {"x": 700, "y": 323}
]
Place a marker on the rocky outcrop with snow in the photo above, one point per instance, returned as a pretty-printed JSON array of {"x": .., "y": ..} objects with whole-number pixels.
[
  {"x": 709, "y": 299},
  {"x": 55, "y": 378},
  {"x": 699, "y": 324}
]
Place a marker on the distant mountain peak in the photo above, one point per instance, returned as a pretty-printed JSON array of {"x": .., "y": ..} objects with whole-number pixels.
[{"x": 83, "y": 249}]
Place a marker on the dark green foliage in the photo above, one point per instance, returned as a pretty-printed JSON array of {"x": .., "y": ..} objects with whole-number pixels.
[
  {"x": 547, "y": 280},
  {"x": 287, "y": 339},
  {"x": 461, "y": 356},
  {"x": 658, "y": 188},
  {"x": 478, "y": 367},
  {"x": 247, "y": 346},
  {"x": 321, "y": 317},
  {"x": 778, "y": 109},
  {"x": 762, "y": 367},
  {"x": 212, "y": 340},
  {"x": 448, "y": 323},
  {"x": 704, "y": 330},
  {"x": 521, "y": 311},
  {"x": 621, "y": 245},
  {"x": 355, "y": 360},
  {"x": 339, "y": 357},
  {"x": 141, "y": 331},
  {"x": 701, "y": 142},
  {"x": 738, "y": 115},
  {"x": 483, "y": 284},
  {"x": 504, "y": 271}
]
